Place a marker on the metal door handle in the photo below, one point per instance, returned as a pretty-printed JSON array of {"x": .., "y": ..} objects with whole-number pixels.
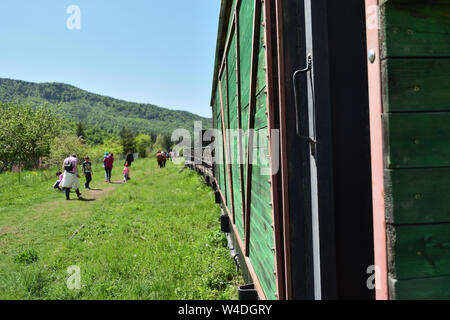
[{"x": 294, "y": 81}]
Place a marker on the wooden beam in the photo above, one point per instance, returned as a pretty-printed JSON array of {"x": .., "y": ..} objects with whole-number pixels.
[
  {"x": 251, "y": 119},
  {"x": 225, "y": 143},
  {"x": 283, "y": 151},
  {"x": 227, "y": 47},
  {"x": 376, "y": 144},
  {"x": 277, "y": 226},
  {"x": 229, "y": 164},
  {"x": 239, "y": 106}
]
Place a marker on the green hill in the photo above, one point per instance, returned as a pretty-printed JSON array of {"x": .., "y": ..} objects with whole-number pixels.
[{"x": 100, "y": 111}]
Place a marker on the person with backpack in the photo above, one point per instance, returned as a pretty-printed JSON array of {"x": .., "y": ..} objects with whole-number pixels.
[
  {"x": 106, "y": 173},
  {"x": 130, "y": 158},
  {"x": 71, "y": 177},
  {"x": 165, "y": 153},
  {"x": 108, "y": 162},
  {"x": 160, "y": 157}
]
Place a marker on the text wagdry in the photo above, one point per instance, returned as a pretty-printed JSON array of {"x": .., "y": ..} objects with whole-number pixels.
[
  {"x": 246, "y": 309},
  {"x": 226, "y": 310}
]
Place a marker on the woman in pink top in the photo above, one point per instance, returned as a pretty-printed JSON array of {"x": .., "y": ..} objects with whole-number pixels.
[{"x": 108, "y": 162}]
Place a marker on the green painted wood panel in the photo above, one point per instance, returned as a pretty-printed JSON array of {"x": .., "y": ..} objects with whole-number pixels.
[
  {"x": 414, "y": 140},
  {"x": 416, "y": 196},
  {"x": 416, "y": 85},
  {"x": 261, "y": 233},
  {"x": 415, "y": 45},
  {"x": 261, "y": 74},
  {"x": 416, "y": 29},
  {"x": 222, "y": 168},
  {"x": 245, "y": 39},
  {"x": 227, "y": 145},
  {"x": 437, "y": 288},
  {"x": 420, "y": 251},
  {"x": 234, "y": 142}
]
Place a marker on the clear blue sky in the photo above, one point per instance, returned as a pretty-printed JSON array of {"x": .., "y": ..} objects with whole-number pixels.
[{"x": 148, "y": 51}]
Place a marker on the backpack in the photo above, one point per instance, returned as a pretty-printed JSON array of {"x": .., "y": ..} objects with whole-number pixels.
[{"x": 68, "y": 165}]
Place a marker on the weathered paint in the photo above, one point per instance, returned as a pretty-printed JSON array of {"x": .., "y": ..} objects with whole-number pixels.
[{"x": 415, "y": 37}]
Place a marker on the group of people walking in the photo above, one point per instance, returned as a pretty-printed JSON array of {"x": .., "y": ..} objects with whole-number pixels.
[
  {"x": 68, "y": 179},
  {"x": 161, "y": 158}
]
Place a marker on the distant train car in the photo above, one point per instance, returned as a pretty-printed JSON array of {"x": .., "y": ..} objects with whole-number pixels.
[{"x": 332, "y": 160}]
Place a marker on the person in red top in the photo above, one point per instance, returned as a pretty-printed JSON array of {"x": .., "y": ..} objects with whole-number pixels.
[
  {"x": 108, "y": 162},
  {"x": 126, "y": 173},
  {"x": 160, "y": 157}
]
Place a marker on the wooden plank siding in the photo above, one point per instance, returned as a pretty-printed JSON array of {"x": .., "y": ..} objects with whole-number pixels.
[
  {"x": 235, "y": 82},
  {"x": 415, "y": 38}
]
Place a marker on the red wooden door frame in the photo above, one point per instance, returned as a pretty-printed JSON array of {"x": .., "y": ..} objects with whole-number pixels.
[{"x": 376, "y": 138}]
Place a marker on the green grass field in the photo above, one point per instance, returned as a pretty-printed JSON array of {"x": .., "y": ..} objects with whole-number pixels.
[{"x": 155, "y": 237}]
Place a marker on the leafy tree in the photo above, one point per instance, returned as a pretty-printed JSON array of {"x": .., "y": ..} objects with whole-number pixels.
[
  {"x": 127, "y": 140},
  {"x": 65, "y": 145},
  {"x": 160, "y": 143},
  {"x": 113, "y": 146},
  {"x": 143, "y": 144},
  {"x": 26, "y": 133},
  {"x": 80, "y": 131}
]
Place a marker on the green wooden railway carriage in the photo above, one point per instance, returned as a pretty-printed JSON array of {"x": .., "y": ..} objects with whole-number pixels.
[{"x": 333, "y": 146}]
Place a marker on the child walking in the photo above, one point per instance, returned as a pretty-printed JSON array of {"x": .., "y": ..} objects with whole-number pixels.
[
  {"x": 126, "y": 173},
  {"x": 56, "y": 185},
  {"x": 87, "y": 172}
]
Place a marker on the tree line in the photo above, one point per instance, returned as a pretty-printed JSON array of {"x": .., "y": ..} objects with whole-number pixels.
[
  {"x": 30, "y": 137},
  {"x": 106, "y": 113}
]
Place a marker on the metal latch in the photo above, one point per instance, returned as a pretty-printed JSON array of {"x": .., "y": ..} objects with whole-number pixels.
[{"x": 294, "y": 81}]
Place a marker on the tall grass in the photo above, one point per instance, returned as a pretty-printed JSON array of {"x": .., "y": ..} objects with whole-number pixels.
[
  {"x": 155, "y": 237},
  {"x": 27, "y": 178}
]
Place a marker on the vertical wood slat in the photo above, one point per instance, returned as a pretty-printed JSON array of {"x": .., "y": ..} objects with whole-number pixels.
[
  {"x": 283, "y": 150},
  {"x": 239, "y": 106},
  {"x": 227, "y": 132},
  {"x": 225, "y": 144},
  {"x": 277, "y": 232},
  {"x": 223, "y": 158},
  {"x": 251, "y": 120},
  {"x": 227, "y": 47},
  {"x": 376, "y": 146}
]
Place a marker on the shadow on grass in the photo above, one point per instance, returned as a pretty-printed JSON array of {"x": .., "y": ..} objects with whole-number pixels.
[{"x": 86, "y": 200}]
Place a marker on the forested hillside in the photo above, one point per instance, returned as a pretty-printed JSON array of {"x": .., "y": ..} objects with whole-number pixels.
[{"x": 100, "y": 111}]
